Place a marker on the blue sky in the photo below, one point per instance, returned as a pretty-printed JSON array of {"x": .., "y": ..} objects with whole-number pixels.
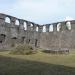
[{"x": 39, "y": 11}]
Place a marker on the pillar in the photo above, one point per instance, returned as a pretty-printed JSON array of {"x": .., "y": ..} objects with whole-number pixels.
[
  {"x": 28, "y": 25},
  {"x": 34, "y": 27},
  {"x": 47, "y": 28},
  {"x": 21, "y": 24},
  {"x": 63, "y": 26},
  {"x": 72, "y": 25},
  {"x": 55, "y": 27},
  {"x": 2, "y": 18},
  {"x": 40, "y": 28},
  {"x": 12, "y": 20}
]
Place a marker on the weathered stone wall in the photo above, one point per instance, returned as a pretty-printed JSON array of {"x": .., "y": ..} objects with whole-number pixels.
[
  {"x": 56, "y": 40},
  {"x": 12, "y": 34}
]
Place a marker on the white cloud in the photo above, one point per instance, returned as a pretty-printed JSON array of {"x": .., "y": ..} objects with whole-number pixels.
[
  {"x": 34, "y": 10},
  {"x": 68, "y": 18},
  {"x": 41, "y": 11}
]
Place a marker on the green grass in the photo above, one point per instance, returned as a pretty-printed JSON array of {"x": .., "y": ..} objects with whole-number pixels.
[{"x": 37, "y": 64}]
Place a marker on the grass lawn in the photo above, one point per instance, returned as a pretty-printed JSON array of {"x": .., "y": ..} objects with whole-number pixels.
[{"x": 37, "y": 64}]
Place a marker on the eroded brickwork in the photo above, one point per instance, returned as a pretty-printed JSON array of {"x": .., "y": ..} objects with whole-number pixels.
[{"x": 12, "y": 34}]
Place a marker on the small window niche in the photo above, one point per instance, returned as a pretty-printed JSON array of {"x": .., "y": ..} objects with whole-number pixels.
[
  {"x": 7, "y": 19},
  {"x": 17, "y": 22},
  {"x": 68, "y": 25},
  {"x": 51, "y": 28}
]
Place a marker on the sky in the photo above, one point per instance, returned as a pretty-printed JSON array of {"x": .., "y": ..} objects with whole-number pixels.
[{"x": 39, "y": 11}]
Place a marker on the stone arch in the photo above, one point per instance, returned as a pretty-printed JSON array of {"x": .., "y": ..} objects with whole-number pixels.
[
  {"x": 68, "y": 25},
  {"x": 7, "y": 19},
  {"x": 17, "y": 22},
  {"x": 31, "y": 26},
  {"x": 58, "y": 26},
  {"x": 25, "y": 26},
  {"x": 51, "y": 28},
  {"x": 44, "y": 28},
  {"x": 37, "y": 28}
]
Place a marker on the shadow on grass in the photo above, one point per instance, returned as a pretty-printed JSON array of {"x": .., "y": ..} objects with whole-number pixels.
[{"x": 13, "y": 66}]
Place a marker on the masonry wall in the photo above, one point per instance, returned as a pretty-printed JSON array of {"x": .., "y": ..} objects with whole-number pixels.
[
  {"x": 57, "y": 40},
  {"x": 12, "y": 34}
]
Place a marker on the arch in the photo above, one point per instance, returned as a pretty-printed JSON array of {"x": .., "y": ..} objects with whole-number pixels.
[
  {"x": 25, "y": 26},
  {"x": 44, "y": 28},
  {"x": 58, "y": 26},
  {"x": 68, "y": 25},
  {"x": 37, "y": 28},
  {"x": 51, "y": 28},
  {"x": 17, "y": 22},
  {"x": 31, "y": 26},
  {"x": 7, "y": 19}
]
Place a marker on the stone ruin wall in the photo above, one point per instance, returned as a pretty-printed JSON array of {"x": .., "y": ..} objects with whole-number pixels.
[
  {"x": 58, "y": 40},
  {"x": 12, "y": 34}
]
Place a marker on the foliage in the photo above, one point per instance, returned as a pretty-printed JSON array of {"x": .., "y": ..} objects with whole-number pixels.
[{"x": 22, "y": 49}]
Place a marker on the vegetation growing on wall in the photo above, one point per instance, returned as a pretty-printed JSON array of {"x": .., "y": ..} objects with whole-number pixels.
[{"x": 22, "y": 49}]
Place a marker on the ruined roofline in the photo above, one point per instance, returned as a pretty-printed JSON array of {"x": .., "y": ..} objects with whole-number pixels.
[
  {"x": 2, "y": 15},
  {"x": 63, "y": 22}
]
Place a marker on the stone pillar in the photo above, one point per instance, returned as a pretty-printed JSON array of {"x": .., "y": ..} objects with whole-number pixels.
[
  {"x": 34, "y": 27},
  {"x": 47, "y": 28},
  {"x": 40, "y": 28},
  {"x": 28, "y": 26},
  {"x": 2, "y": 19},
  {"x": 72, "y": 25},
  {"x": 12, "y": 20},
  {"x": 54, "y": 27},
  {"x": 21, "y": 24},
  {"x": 21, "y": 30},
  {"x": 63, "y": 26}
]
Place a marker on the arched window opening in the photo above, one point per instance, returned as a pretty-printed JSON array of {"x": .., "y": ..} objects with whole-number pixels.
[
  {"x": 58, "y": 26},
  {"x": 44, "y": 28},
  {"x": 25, "y": 26},
  {"x": 37, "y": 29},
  {"x": 7, "y": 19},
  {"x": 17, "y": 22},
  {"x": 68, "y": 25},
  {"x": 51, "y": 28},
  {"x": 31, "y": 26}
]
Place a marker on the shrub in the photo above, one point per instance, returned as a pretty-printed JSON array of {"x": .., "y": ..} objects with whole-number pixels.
[{"x": 22, "y": 49}]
